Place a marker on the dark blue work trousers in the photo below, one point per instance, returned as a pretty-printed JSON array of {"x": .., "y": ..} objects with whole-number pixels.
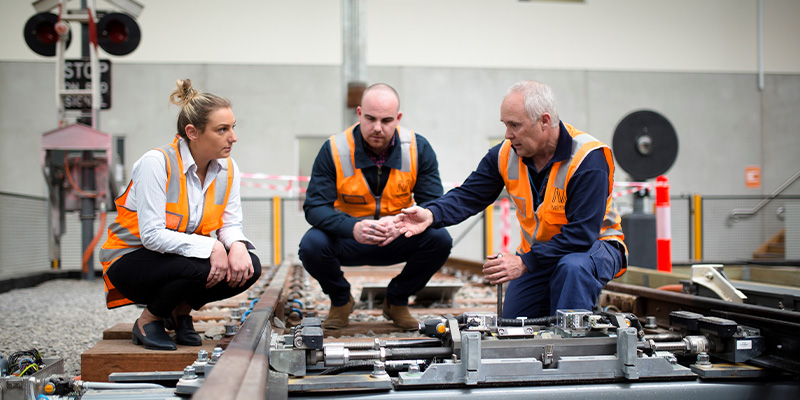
[
  {"x": 324, "y": 254},
  {"x": 573, "y": 283}
]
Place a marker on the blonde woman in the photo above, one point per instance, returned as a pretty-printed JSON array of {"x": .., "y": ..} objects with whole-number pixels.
[{"x": 159, "y": 251}]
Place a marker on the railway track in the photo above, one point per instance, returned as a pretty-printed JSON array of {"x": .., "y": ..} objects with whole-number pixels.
[
  {"x": 244, "y": 373},
  {"x": 245, "y": 358},
  {"x": 245, "y": 355},
  {"x": 285, "y": 297}
]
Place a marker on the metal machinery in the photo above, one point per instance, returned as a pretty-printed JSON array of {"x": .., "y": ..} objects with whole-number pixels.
[
  {"x": 687, "y": 346},
  {"x": 477, "y": 353},
  {"x": 77, "y": 157},
  {"x": 76, "y": 182}
]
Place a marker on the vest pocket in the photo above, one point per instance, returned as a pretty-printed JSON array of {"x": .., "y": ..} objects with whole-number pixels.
[
  {"x": 519, "y": 202},
  {"x": 350, "y": 199},
  {"x": 173, "y": 220}
]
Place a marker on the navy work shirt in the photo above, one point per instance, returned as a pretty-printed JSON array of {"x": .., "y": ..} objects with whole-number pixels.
[
  {"x": 321, "y": 193},
  {"x": 585, "y": 209}
]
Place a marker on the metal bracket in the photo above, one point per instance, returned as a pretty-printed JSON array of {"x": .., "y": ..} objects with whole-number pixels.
[{"x": 710, "y": 276}]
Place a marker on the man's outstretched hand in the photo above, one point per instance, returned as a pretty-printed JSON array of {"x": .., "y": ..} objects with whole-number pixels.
[{"x": 413, "y": 221}]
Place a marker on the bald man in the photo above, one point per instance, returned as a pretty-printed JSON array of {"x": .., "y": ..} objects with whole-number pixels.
[{"x": 361, "y": 178}]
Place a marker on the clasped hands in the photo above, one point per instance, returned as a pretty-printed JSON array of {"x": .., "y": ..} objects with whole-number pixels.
[
  {"x": 234, "y": 266},
  {"x": 378, "y": 232}
]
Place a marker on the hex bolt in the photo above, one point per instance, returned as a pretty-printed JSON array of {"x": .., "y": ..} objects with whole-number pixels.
[
  {"x": 216, "y": 354},
  {"x": 672, "y": 360},
  {"x": 202, "y": 356},
  {"x": 230, "y": 329},
  {"x": 189, "y": 373},
  {"x": 651, "y": 322},
  {"x": 413, "y": 369},
  {"x": 379, "y": 369},
  {"x": 703, "y": 359}
]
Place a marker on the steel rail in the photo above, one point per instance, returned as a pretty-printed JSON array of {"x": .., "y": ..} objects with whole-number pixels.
[
  {"x": 682, "y": 299},
  {"x": 245, "y": 356},
  {"x": 778, "y": 327}
]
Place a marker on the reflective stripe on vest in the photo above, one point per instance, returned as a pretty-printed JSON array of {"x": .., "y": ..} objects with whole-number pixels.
[
  {"x": 123, "y": 233},
  {"x": 542, "y": 224},
  {"x": 353, "y": 194}
]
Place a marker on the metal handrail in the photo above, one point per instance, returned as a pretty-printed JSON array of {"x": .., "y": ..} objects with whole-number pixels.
[{"x": 735, "y": 213}]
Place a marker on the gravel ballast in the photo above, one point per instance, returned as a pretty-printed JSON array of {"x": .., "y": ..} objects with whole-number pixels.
[
  {"x": 61, "y": 318},
  {"x": 65, "y": 317}
]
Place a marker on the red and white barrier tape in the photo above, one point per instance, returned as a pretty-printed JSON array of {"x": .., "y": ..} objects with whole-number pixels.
[
  {"x": 261, "y": 176},
  {"x": 289, "y": 178},
  {"x": 633, "y": 187},
  {"x": 267, "y": 186}
]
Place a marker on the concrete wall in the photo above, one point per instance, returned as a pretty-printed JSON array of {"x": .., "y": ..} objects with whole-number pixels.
[
  {"x": 451, "y": 60},
  {"x": 723, "y": 121},
  {"x": 279, "y": 62}
]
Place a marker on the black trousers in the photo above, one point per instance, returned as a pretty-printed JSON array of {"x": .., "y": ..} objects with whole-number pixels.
[{"x": 164, "y": 281}]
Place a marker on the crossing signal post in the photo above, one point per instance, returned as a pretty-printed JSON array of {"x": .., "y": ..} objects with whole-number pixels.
[
  {"x": 48, "y": 34},
  {"x": 41, "y": 35},
  {"x": 80, "y": 99},
  {"x": 118, "y": 34}
]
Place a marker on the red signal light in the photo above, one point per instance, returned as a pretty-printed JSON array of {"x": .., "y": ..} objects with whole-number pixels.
[
  {"x": 118, "y": 34},
  {"x": 41, "y": 35}
]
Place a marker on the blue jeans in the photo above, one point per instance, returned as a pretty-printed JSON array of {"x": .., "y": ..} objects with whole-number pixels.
[
  {"x": 324, "y": 254},
  {"x": 574, "y": 282}
]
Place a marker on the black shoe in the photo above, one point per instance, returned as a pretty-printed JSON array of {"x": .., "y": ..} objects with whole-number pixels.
[
  {"x": 184, "y": 330},
  {"x": 156, "y": 339}
]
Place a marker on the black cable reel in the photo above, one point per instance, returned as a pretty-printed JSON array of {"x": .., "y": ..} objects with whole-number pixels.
[{"x": 645, "y": 146}]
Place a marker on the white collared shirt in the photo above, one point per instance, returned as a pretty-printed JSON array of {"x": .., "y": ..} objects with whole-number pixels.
[{"x": 148, "y": 198}]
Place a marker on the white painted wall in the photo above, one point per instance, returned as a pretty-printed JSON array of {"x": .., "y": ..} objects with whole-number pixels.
[
  {"x": 639, "y": 35},
  {"x": 451, "y": 60}
]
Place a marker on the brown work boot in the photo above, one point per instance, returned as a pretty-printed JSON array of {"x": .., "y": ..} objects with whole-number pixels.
[
  {"x": 400, "y": 316},
  {"x": 339, "y": 317}
]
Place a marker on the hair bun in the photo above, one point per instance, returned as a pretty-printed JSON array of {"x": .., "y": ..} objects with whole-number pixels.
[
  {"x": 184, "y": 93},
  {"x": 189, "y": 94}
]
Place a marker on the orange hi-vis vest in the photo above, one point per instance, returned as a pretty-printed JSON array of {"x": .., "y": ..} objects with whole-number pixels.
[
  {"x": 542, "y": 224},
  {"x": 123, "y": 234},
  {"x": 353, "y": 194}
]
